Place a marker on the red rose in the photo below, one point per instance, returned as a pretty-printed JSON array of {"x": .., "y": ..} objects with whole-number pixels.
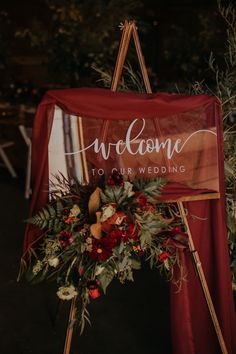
[{"x": 163, "y": 256}]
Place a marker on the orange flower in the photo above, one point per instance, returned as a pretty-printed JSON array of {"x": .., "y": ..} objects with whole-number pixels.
[
  {"x": 137, "y": 248},
  {"x": 70, "y": 219}
]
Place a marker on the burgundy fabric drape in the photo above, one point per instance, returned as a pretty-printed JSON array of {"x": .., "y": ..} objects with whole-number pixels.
[{"x": 192, "y": 329}]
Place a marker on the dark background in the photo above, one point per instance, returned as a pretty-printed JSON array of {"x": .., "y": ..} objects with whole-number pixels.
[{"x": 177, "y": 37}]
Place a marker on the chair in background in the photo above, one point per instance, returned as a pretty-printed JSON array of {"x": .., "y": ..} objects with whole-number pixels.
[
  {"x": 26, "y": 134},
  {"x": 26, "y": 117},
  {"x": 5, "y": 159}
]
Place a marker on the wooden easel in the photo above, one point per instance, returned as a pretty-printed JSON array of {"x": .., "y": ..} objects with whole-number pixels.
[{"x": 129, "y": 29}]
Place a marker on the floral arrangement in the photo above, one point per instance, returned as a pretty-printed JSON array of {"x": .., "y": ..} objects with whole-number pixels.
[{"x": 94, "y": 234}]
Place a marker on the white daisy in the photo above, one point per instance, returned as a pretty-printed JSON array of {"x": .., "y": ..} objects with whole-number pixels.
[{"x": 67, "y": 292}]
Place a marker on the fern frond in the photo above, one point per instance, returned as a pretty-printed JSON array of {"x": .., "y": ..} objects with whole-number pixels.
[{"x": 50, "y": 217}]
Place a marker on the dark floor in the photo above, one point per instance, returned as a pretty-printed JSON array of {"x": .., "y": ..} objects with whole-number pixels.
[{"x": 132, "y": 318}]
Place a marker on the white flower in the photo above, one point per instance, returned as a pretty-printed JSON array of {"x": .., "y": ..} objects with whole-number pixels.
[
  {"x": 99, "y": 270},
  {"x": 107, "y": 212},
  {"x": 67, "y": 292},
  {"x": 37, "y": 267},
  {"x": 75, "y": 210},
  {"x": 53, "y": 262},
  {"x": 128, "y": 189}
]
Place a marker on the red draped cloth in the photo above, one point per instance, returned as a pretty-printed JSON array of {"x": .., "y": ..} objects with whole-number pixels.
[{"x": 192, "y": 329}]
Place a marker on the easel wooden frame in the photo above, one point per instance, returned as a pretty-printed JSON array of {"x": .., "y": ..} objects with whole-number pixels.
[{"x": 129, "y": 29}]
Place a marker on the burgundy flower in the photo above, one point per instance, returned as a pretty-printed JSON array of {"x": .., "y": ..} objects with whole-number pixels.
[
  {"x": 115, "y": 179},
  {"x": 66, "y": 238},
  {"x": 114, "y": 237},
  {"x": 101, "y": 249}
]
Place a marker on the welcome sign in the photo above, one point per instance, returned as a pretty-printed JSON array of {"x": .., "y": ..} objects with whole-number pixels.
[
  {"x": 179, "y": 147},
  {"x": 92, "y": 132}
]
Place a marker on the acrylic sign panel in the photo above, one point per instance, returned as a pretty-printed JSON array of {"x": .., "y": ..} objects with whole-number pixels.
[{"x": 181, "y": 148}]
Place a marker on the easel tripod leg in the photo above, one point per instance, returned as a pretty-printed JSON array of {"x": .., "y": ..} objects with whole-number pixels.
[
  {"x": 202, "y": 278},
  {"x": 69, "y": 332}
]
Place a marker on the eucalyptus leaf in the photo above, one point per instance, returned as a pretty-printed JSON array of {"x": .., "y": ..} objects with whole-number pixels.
[{"x": 105, "y": 278}]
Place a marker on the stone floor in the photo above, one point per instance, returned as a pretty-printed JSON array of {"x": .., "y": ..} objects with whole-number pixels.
[{"x": 132, "y": 318}]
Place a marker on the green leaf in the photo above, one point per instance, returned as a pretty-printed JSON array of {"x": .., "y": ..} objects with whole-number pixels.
[
  {"x": 121, "y": 247},
  {"x": 122, "y": 265},
  {"x": 135, "y": 263},
  {"x": 145, "y": 238},
  {"x": 106, "y": 277}
]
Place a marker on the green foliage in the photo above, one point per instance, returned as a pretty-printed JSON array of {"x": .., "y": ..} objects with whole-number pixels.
[
  {"x": 50, "y": 217},
  {"x": 113, "y": 194},
  {"x": 224, "y": 87},
  {"x": 150, "y": 188},
  {"x": 150, "y": 226},
  {"x": 131, "y": 79},
  {"x": 106, "y": 277}
]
